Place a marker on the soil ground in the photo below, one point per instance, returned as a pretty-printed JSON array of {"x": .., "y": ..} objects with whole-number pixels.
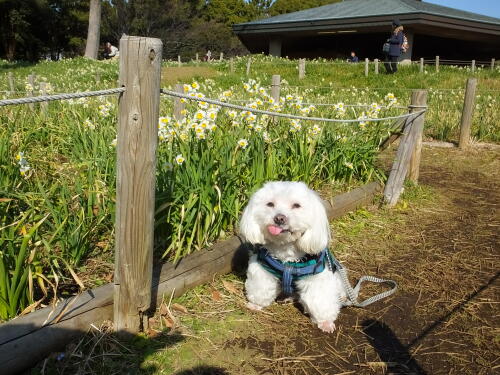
[{"x": 440, "y": 243}]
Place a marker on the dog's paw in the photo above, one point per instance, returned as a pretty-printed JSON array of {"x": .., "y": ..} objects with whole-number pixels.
[
  {"x": 327, "y": 326},
  {"x": 253, "y": 306}
]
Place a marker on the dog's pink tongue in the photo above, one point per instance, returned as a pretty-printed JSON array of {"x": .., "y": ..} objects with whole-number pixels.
[{"x": 274, "y": 230}]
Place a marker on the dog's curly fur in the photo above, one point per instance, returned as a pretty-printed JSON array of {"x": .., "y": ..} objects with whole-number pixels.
[{"x": 290, "y": 221}]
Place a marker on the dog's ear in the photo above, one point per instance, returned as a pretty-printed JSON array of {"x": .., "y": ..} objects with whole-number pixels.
[
  {"x": 317, "y": 236},
  {"x": 249, "y": 227}
]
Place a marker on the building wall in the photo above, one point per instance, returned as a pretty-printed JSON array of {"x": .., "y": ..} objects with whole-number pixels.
[{"x": 370, "y": 45}]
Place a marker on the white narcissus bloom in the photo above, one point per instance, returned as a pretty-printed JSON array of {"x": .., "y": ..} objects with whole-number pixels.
[
  {"x": 179, "y": 159},
  {"x": 243, "y": 143},
  {"x": 88, "y": 124}
]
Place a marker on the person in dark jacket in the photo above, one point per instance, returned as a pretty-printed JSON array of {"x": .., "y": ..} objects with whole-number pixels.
[
  {"x": 395, "y": 43},
  {"x": 353, "y": 58}
]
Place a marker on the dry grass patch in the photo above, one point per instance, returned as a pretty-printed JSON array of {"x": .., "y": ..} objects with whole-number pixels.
[{"x": 172, "y": 75}]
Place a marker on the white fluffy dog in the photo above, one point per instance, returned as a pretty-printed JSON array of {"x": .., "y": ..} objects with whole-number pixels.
[{"x": 288, "y": 221}]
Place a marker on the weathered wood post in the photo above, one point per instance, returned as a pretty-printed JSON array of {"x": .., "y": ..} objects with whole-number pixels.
[
  {"x": 12, "y": 86},
  {"x": 249, "y": 62},
  {"x": 231, "y": 65},
  {"x": 367, "y": 66},
  {"x": 421, "y": 65},
  {"x": 467, "y": 111},
  {"x": 414, "y": 167},
  {"x": 376, "y": 66},
  {"x": 276, "y": 88},
  {"x": 493, "y": 64},
  {"x": 302, "y": 68},
  {"x": 43, "y": 91},
  {"x": 179, "y": 62},
  {"x": 221, "y": 58},
  {"x": 437, "y": 64},
  {"x": 178, "y": 103},
  {"x": 197, "y": 58},
  {"x": 140, "y": 70},
  {"x": 412, "y": 130},
  {"x": 473, "y": 66},
  {"x": 31, "y": 81}
]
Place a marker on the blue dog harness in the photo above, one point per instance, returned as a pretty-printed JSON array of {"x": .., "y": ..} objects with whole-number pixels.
[{"x": 290, "y": 272}]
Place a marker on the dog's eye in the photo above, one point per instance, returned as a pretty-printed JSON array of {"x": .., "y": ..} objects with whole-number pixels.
[
  {"x": 296, "y": 205},
  {"x": 270, "y": 204}
]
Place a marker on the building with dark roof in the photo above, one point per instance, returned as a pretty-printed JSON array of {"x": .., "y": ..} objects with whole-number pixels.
[{"x": 334, "y": 30}]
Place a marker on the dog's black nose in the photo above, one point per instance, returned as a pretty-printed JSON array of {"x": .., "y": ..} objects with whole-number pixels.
[{"x": 280, "y": 219}]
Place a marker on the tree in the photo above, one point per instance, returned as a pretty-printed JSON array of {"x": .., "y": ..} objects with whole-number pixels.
[
  {"x": 93, "y": 34},
  {"x": 288, "y": 6}
]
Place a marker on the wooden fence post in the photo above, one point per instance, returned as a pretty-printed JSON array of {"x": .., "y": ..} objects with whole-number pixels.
[
  {"x": 231, "y": 65},
  {"x": 493, "y": 64},
  {"x": 414, "y": 167},
  {"x": 31, "y": 81},
  {"x": 43, "y": 91},
  {"x": 276, "y": 88},
  {"x": 140, "y": 71},
  {"x": 178, "y": 104},
  {"x": 437, "y": 63},
  {"x": 466, "y": 120},
  {"x": 12, "y": 86},
  {"x": 302, "y": 68},
  {"x": 412, "y": 130},
  {"x": 367, "y": 66},
  {"x": 249, "y": 62},
  {"x": 179, "y": 62},
  {"x": 376, "y": 66},
  {"x": 221, "y": 58},
  {"x": 197, "y": 58},
  {"x": 473, "y": 66},
  {"x": 421, "y": 65}
]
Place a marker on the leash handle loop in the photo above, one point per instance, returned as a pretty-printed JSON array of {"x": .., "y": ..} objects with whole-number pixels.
[{"x": 353, "y": 293}]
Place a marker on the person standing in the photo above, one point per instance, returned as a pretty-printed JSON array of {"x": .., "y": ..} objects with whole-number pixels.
[
  {"x": 353, "y": 58},
  {"x": 395, "y": 42}
]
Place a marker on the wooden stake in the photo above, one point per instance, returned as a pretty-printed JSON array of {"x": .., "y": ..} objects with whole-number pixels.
[
  {"x": 473, "y": 66},
  {"x": 12, "y": 86},
  {"x": 179, "y": 62},
  {"x": 221, "y": 58},
  {"x": 178, "y": 104},
  {"x": 140, "y": 70},
  {"x": 493, "y": 64},
  {"x": 376, "y": 66},
  {"x": 31, "y": 81},
  {"x": 414, "y": 167},
  {"x": 43, "y": 90},
  {"x": 231, "y": 65},
  {"x": 249, "y": 62},
  {"x": 421, "y": 65},
  {"x": 367, "y": 66},
  {"x": 467, "y": 111},
  {"x": 437, "y": 63},
  {"x": 276, "y": 88},
  {"x": 302, "y": 68},
  {"x": 411, "y": 132}
]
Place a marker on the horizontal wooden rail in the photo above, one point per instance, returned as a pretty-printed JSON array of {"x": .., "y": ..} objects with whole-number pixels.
[{"x": 28, "y": 339}]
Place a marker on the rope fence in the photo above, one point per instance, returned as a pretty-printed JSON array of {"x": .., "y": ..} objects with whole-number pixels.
[
  {"x": 46, "y": 98},
  {"x": 286, "y": 115}
]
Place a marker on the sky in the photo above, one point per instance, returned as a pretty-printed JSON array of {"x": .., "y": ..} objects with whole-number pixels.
[{"x": 487, "y": 7}]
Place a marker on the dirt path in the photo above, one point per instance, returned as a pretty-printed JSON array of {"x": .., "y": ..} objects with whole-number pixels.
[{"x": 441, "y": 244}]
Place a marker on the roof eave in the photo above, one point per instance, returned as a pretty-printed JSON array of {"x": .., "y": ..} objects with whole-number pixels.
[{"x": 366, "y": 21}]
